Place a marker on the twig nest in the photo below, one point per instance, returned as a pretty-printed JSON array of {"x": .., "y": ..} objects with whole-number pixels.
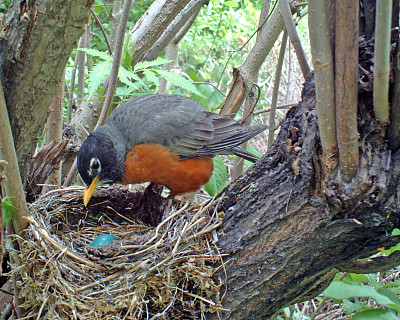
[{"x": 162, "y": 272}]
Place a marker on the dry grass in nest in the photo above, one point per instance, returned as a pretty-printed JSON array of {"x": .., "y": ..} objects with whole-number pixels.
[{"x": 163, "y": 272}]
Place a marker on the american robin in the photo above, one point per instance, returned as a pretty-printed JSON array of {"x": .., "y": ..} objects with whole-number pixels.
[{"x": 164, "y": 139}]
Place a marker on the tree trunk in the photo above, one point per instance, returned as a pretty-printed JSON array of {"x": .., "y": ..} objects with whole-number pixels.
[
  {"x": 287, "y": 232},
  {"x": 37, "y": 38}
]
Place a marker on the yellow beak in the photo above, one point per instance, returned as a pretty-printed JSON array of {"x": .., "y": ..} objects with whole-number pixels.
[{"x": 87, "y": 194}]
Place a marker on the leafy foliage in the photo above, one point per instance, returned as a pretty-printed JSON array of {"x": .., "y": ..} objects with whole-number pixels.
[
  {"x": 8, "y": 210},
  {"x": 218, "y": 178},
  {"x": 130, "y": 79}
]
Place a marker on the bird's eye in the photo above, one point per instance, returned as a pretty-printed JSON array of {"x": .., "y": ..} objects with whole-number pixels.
[{"x": 95, "y": 164}]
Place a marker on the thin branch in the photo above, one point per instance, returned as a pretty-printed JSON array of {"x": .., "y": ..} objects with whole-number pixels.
[
  {"x": 96, "y": 17},
  {"x": 245, "y": 74},
  {"x": 71, "y": 89},
  {"x": 114, "y": 21},
  {"x": 112, "y": 80},
  {"x": 116, "y": 63},
  {"x": 294, "y": 37},
  {"x": 283, "y": 106},
  {"x": 373, "y": 265},
  {"x": 323, "y": 67},
  {"x": 189, "y": 13},
  {"x": 258, "y": 32},
  {"x": 81, "y": 67},
  {"x": 346, "y": 85},
  {"x": 210, "y": 84},
  {"x": 14, "y": 188},
  {"x": 275, "y": 92},
  {"x": 382, "y": 60}
]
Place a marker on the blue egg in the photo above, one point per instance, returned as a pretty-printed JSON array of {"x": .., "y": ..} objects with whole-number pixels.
[{"x": 103, "y": 239}]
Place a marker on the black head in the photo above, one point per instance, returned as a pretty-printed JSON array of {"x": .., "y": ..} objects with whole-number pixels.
[{"x": 97, "y": 157}]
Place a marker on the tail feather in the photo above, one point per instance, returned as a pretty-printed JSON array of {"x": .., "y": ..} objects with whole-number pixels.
[{"x": 238, "y": 151}]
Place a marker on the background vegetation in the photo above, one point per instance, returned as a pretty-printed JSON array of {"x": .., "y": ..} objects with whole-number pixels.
[{"x": 219, "y": 40}]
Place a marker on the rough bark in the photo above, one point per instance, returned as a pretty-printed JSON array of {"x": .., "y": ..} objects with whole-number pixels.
[
  {"x": 45, "y": 162},
  {"x": 286, "y": 233},
  {"x": 152, "y": 24},
  {"x": 36, "y": 40},
  {"x": 183, "y": 20},
  {"x": 54, "y": 128},
  {"x": 394, "y": 126},
  {"x": 346, "y": 86}
]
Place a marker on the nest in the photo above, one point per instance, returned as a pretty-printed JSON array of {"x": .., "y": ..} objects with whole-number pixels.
[{"x": 166, "y": 271}]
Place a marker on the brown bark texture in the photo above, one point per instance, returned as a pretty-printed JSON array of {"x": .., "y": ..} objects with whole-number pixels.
[
  {"x": 36, "y": 40},
  {"x": 287, "y": 228},
  {"x": 170, "y": 10},
  {"x": 346, "y": 85}
]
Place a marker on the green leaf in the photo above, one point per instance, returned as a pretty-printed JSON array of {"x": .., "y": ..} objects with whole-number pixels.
[
  {"x": 357, "y": 277},
  {"x": 126, "y": 55},
  {"x": 151, "y": 76},
  {"x": 146, "y": 64},
  {"x": 97, "y": 53},
  {"x": 123, "y": 91},
  {"x": 341, "y": 290},
  {"x": 97, "y": 76},
  {"x": 231, "y": 3},
  {"x": 352, "y": 306},
  {"x": 125, "y": 75},
  {"x": 218, "y": 178},
  {"x": 395, "y": 232},
  {"x": 391, "y": 284},
  {"x": 179, "y": 81},
  {"x": 391, "y": 295},
  {"x": 8, "y": 210},
  {"x": 375, "y": 314}
]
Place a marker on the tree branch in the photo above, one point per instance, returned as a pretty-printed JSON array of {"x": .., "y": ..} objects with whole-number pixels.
[
  {"x": 119, "y": 43},
  {"x": 274, "y": 99},
  {"x": 152, "y": 24},
  {"x": 346, "y": 85},
  {"x": 373, "y": 265},
  {"x": 243, "y": 76},
  {"x": 33, "y": 33},
  {"x": 324, "y": 78},
  {"x": 96, "y": 17},
  {"x": 294, "y": 37},
  {"x": 189, "y": 13},
  {"x": 81, "y": 67},
  {"x": 383, "y": 20},
  {"x": 14, "y": 188}
]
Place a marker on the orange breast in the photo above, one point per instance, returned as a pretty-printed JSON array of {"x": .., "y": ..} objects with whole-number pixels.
[{"x": 156, "y": 163}]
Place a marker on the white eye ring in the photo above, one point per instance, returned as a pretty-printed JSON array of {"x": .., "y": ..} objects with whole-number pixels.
[{"x": 94, "y": 162}]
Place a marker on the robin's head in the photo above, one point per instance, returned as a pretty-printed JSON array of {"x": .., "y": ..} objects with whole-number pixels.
[{"x": 98, "y": 161}]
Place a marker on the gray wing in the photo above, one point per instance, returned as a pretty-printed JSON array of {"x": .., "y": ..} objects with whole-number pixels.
[{"x": 181, "y": 124}]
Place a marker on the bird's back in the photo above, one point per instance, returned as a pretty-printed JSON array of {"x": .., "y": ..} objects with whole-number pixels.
[{"x": 181, "y": 124}]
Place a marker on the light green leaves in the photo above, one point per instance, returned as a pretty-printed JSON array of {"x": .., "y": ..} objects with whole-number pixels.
[
  {"x": 355, "y": 294},
  {"x": 218, "y": 178},
  {"x": 144, "y": 75},
  {"x": 341, "y": 290},
  {"x": 8, "y": 210},
  {"x": 179, "y": 81}
]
